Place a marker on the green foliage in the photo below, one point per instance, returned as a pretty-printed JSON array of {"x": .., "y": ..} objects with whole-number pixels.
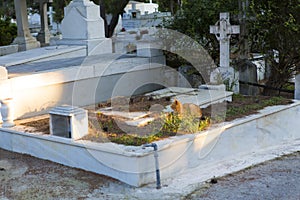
[
  {"x": 169, "y": 5},
  {"x": 8, "y": 32},
  {"x": 277, "y": 28},
  {"x": 274, "y": 26},
  {"x": 197, "y": 15},
  {"x": 171, "y": 125},
  {"x": 241, "y": 111},
  {"x": 134, "y": 140},
  {"x": 58, "y": 7},
  {"x": 6, "y": 9}
]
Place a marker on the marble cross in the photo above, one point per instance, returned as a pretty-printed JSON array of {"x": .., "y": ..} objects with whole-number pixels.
[{"x": 223, "y": 32}]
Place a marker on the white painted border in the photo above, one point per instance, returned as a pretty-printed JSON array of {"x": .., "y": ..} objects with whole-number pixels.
[{"x": 135, "y": 166}]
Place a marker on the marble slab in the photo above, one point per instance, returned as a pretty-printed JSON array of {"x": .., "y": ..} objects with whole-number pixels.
[
  {"x": 140, "y": 122},
  {"x": 128, "y": 115}
]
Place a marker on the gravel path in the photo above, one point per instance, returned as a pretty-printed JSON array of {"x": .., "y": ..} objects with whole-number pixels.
[
  {"x": 276, "y": 179},
  {"x": 25, "y": 177}
]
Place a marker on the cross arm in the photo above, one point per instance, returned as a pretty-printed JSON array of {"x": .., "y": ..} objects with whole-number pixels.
[
  {"x": 43, "y": 1},
  {"x": 234, "y": 29},
  {"x": 214, "y": 29}
]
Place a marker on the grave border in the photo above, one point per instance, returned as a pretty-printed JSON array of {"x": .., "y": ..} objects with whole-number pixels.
[{"x": 135, "y": 167}]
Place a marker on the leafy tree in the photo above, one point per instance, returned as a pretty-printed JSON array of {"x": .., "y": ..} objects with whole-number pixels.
[
  {"x": 276, "y": 32},
  {"x": 274, "y": 29},
  {"x": 58, "y": 7},
  {"x": 7, "y": 9},
  {"x": 8, "y": 32},
  {"x": 196, "y": 16},
  {"x": 169, "y": 5}
]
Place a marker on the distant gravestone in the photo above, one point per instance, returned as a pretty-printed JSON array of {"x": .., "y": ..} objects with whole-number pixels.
[
  {"x": 44, "y": 34},
  {"x": 248, "y": 74},
  {"x": 297, "y": 87},
  {"x": 24, "y": 38},
  {"x": 3, "y": 73},
  {"x": 223, "y": 32}
]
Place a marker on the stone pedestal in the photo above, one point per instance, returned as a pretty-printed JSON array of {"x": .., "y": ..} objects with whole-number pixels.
[
  {"x": 69, "y": 122},
  {"x": 24, "y": 38},
  {"x": 3, "y": 73},
  {"x": 146, "y": 48},
  {"x": 7, "y": 113},
  {"x": 297, "y": 87},
  {"x": 82, "y": 25},
  {"x": 227, "y": 76}
]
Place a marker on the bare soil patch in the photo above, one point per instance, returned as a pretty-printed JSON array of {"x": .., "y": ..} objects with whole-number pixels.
[{"x": 104, "y": 128}]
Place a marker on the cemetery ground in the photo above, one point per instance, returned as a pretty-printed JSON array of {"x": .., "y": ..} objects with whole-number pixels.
[
  {"x": 104, "y": 128},
  {"x": 26, "y": 177}
]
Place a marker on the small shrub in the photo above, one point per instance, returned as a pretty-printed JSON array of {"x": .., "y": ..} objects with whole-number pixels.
[
  {"x": 8, "y": 32},
  {"x": 170, "y": 123}
]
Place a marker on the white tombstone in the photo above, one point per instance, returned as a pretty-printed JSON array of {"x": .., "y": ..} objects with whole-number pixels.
[
  {"x": 68, "y": 122},
  {"x": 3, "y": 73},
  {"x": 82, "y": 25},
  {"x": 297, "y": 87},
  {"x": 223, "y": 32}
]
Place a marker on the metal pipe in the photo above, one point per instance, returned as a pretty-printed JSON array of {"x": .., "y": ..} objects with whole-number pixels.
[{"x": 154, "y": 146}]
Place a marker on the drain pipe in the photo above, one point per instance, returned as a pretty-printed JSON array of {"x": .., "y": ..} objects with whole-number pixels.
[{"x": 154, "y": 146}]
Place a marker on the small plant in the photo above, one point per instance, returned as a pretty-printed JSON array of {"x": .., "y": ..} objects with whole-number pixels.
[
  {"x": 189, "y": 124},
  {"x": 204, "y": 123},
  {"x": 240, "y": 111},
  {"x": 171, "y": 123}
]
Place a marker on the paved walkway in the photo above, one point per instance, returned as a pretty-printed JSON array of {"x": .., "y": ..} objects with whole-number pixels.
[{"x": 25, "y": 177}]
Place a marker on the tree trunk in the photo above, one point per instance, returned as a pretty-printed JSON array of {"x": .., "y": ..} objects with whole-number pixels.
[
  {"x": 112, "y": 25},
  {"x": 172, "y": 6},
  {"x": 119, "y": 8},
  {"x": 103, "y": 16}
]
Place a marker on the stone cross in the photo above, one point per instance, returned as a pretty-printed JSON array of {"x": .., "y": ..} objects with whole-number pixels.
[
  {"x": 223, "y": 33},
  {"x": 24, "y": 38},
  {"x": 44, "y": 34}
]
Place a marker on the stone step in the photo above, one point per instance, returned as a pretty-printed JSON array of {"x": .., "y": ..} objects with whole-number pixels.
[{"x": 200, "y": 97}]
